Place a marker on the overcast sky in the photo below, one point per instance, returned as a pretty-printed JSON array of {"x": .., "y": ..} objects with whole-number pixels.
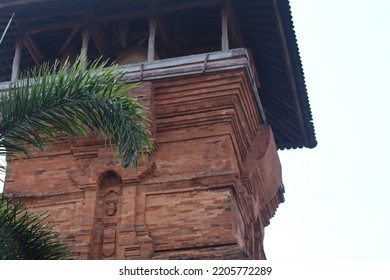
[{"x": 338, "y": 194}]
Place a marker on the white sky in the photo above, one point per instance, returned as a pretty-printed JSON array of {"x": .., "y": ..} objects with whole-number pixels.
[{"x": 338, "y": 194}]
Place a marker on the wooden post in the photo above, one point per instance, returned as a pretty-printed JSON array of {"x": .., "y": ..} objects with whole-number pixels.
[
  {"x": 16, "y": 62},
  {"x": 84, "y": 47},
  {"x": 235, "y": 33},
  {"x": 152, "y": 38},
  {"x": 225, "y": 38}
]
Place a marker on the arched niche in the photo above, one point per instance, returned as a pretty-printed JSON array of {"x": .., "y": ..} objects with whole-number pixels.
[
  {"x": 108, "y": 179},
  {"x": 108, "y": 205}
]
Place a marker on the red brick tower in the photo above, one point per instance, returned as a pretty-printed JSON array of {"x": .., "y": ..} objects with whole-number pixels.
[{"x": 223, "y": 85}]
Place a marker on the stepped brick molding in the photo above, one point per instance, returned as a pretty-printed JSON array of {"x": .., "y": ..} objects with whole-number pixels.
[{"x": 207, "y": 192}]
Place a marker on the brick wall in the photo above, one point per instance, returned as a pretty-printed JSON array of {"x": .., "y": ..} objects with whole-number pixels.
[{"x": 207, "y": 192}]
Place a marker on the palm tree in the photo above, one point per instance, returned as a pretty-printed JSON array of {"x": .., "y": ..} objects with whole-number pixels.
[
  {"x": 27, "y": 236},
  {"x": 46, "y": 105}
]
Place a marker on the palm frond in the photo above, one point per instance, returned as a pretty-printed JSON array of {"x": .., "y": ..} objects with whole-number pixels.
[
  {"x": 47, "y": 105},
  {"x": 28, "y": 236}
]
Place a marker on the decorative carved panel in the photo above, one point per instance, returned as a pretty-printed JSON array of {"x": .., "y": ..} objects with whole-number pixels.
[{"x": 106, "y": 219}]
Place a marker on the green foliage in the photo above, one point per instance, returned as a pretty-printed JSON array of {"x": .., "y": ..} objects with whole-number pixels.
[
  {"x": 28, "y": 236},
  {"x": 48, "y": 104}
]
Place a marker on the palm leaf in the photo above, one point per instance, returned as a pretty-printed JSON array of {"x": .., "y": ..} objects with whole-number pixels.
[
  {"x": 28, "y": 236},
  {"x": 47, "y": 105}
]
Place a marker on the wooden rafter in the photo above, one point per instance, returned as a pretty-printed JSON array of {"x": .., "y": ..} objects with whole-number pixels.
[
  {"x": 128, "y": 15},
  {"x": 97, "y": 34},
  {"x": 34, "y": 29},
  {"x": 100, "y": 39},
  {"x": 33, "y": 49},
  {"x": 69, "y": 39},
  {"x": 71, "y": 11}
]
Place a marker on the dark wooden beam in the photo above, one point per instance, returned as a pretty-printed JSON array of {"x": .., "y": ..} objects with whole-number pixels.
[
  {"x": 69, "y": 39},
  {"x": 33, "y": 49},
  {"x": 71, "y": 10},
  {"x": 129, "y": 15}
]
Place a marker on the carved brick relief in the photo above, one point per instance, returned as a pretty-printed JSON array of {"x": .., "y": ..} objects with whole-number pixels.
[{"x": 106, "y": 226}]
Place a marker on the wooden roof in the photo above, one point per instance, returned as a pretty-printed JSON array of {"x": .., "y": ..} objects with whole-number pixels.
[{"x": 263, "y": 26}]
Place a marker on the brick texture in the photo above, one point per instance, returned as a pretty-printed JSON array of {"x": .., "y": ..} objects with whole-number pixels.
[{"x": 207, "y": 192}]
